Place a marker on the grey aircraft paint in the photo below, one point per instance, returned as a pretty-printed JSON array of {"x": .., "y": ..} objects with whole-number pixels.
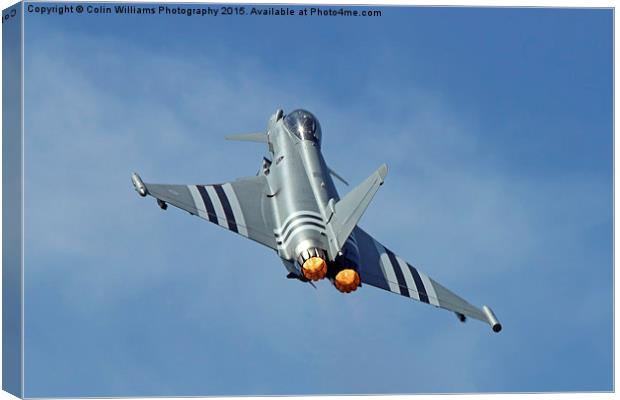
[{"x": 292, "y": 206}]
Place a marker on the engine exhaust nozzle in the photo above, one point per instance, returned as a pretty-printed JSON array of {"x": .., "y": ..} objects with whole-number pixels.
[
  {"x": 314, "y": 268},
  {"x": 313, "y": 264},
  {"x": 347, "y": 280}
]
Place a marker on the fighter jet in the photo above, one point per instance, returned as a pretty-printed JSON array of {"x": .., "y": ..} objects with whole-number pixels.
[{"x": 292, "y": 206}]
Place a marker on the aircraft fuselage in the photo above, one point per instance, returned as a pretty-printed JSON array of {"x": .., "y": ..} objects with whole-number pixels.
[{"x": 301, "y": 194}]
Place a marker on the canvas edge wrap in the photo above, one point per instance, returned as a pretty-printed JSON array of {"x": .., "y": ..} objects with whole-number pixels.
[{"x": 12, "y": 200}]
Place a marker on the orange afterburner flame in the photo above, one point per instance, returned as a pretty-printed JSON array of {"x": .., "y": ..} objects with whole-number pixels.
[
  {"x": 314, "y": 268},
  {"x": 347, "y": 280}
]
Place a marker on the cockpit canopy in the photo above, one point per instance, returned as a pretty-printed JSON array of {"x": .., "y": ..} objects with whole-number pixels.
[{"x": 304, "y": 125}]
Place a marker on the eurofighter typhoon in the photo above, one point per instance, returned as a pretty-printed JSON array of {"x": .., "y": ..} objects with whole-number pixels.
[{"x": 292, "y": 207}]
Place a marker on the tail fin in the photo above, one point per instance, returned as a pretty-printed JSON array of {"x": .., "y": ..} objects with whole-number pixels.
[
  {"x": 348, "y": 211},
  {"x": 249, "y": 137}
]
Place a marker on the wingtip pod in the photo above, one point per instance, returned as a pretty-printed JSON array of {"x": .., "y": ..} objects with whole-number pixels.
[
  {"x": 138, "y": 184},
  {"x": 492, "y": 319}
]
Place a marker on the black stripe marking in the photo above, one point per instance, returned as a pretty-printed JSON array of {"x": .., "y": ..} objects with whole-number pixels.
[
  {"x": 419, "y": 284},
  {"x": 304, "y": 224},
  {"x": 232, "y": 224},
  {"x": 208, "y": 204},
  {"x": 294, "y": 225},
  {"x": 286, "y": 226},
  {"x": 402, "y": 284}
]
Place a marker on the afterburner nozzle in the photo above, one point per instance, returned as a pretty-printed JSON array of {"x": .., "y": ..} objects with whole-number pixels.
[
  {"x": 314, "y": 268},
  {"x": 347, "y": 280}
]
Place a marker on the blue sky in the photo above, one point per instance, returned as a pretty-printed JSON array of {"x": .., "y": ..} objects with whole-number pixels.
[{"x": 497, "y": 128}]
